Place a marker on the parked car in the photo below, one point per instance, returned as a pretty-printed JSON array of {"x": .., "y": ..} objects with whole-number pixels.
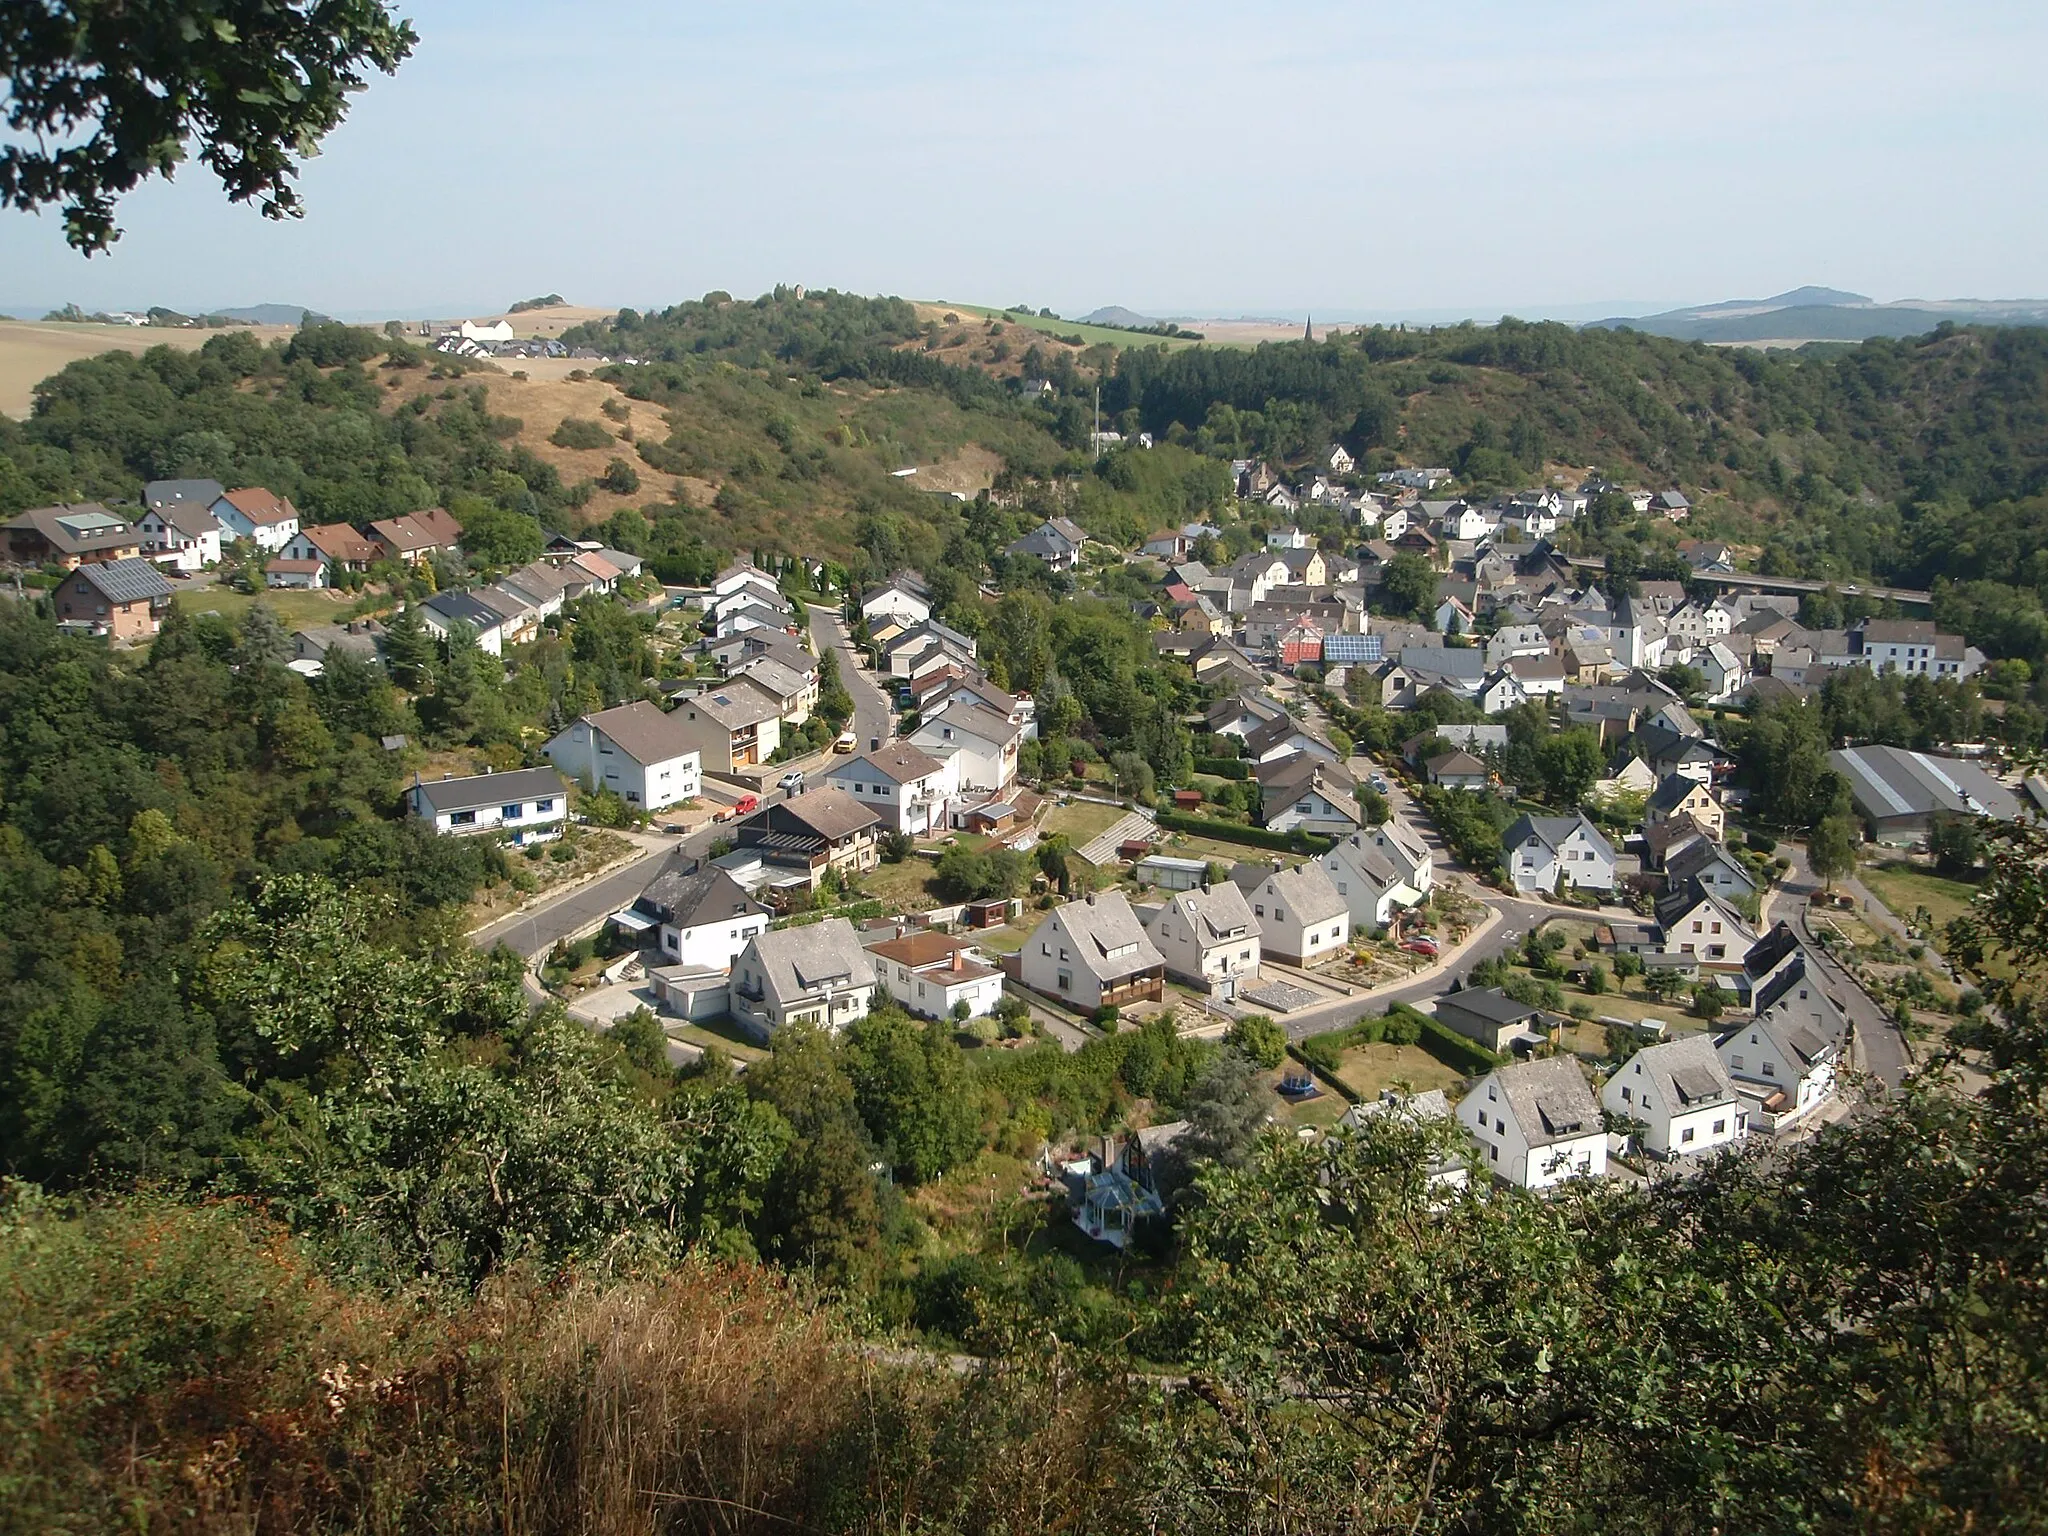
[
  {"x": 1377, "y": 783},
  {"x": 673, "y": 827},
  {"x": 1420, "y": 946},
  {"x": 846, "y": 743},
  {"x": 791, "y": 781},
  {"x": 746, "y": 805}
]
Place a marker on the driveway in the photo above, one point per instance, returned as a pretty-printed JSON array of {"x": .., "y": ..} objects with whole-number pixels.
[
  {"x": 873, "y": 718},
  {"x": 1878, "y": 1046}
]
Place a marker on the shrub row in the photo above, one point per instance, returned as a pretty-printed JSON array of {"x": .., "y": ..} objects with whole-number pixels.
[
  {"x": 853, "y": 912},
  {"x": 1251, "y": 837},
  {"x": 1224, "y": 767},
  {"x": 1404, "y": 1026}
]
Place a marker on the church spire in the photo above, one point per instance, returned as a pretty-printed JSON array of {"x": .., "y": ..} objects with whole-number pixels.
[{"x": 1308, "y": 332}]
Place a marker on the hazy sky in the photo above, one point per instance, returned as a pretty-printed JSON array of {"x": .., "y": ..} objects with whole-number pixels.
[{"x": 1184, "y": 158}]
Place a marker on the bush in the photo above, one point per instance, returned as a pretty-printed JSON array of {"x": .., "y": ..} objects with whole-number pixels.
[
  {"x": 1106, "y": 1016},
  {"x": 896, "y": 847},
  {"x": 1761, "y": 842},
  {"x": 620, "y": 478},
  {"x": 1261, "y": 1040},
  {"x": 575, "y": 432},
  {"x": 659, "y": 456},
  {"x": 1224, "y": 767},
  {"x": 1253, "y": 837}
]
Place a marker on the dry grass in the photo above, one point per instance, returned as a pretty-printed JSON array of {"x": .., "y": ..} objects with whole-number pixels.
[
  {"x": 30, "y": 351},
  {"x": 540, "y": 405},
  {"x": 1366, "y": 1069}
]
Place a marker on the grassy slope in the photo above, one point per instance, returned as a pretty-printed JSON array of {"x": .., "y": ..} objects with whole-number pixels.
[{"x": 1091, "y": 335}]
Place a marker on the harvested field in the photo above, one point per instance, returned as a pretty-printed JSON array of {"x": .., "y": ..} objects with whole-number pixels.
[{"x": 30, "y": 351}]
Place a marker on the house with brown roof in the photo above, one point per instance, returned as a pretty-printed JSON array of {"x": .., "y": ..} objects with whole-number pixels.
[
  {"x": 418, "y": 534},
  {"x": 730, "y": 726},
  {"x": 932, "y": 974},
  {"x": 335, "y": 545},
  {"x": 261, "y": 516},
  {"x": 820, "y": 830},
  {"x": 71, "y": 535}
]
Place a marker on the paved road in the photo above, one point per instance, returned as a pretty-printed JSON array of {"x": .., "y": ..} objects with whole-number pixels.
[
  {"x": 1878, "y": 1046},
  {"x": 534, "y": 931},
  {"x": 872, "y": 716}
]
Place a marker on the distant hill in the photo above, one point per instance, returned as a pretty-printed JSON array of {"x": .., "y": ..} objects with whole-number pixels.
[
  {"x": 270, "y": 314},
  {"x": 1825, "y": 314},
  {"x": 1116, "y": 314}
]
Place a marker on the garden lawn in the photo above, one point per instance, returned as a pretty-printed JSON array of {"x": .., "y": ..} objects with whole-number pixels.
[
  {"x": 910, "y": 885},
  {"x": 1366, "y": 1069},
  {"x": 718, "y": 1035},
  {"x": 1082, "y": 819},
  {"x": 294, "y": 609},
  {"x": 1903, "y": 887}
]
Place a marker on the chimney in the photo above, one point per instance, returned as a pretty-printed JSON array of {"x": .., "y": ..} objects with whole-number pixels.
[{"x": 958, "y": 963}]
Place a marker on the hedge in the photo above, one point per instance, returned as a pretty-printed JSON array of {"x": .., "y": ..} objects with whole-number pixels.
[
  {"x": 1323, "y": 1052},
  {"x": 853, "y": 912},
  {"x": 1251, "y": 837},
  {"x": 1224, "y": 767}
]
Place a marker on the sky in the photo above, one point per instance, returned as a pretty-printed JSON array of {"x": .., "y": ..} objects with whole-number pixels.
[{"x": 1419, "y": 160}]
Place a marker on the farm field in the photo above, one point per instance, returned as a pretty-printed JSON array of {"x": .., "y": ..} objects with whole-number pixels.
[
  {"x": 30, "y": 350},
  {"x": 1903, "y": 887}
]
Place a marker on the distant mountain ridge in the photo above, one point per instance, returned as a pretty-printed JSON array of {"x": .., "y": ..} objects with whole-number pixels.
[
  {"x": 1825, "y": 314},
  {"x": 1116, "y": 314}
]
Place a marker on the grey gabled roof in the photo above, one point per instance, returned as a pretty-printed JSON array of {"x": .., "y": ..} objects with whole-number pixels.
[
  {"x": 477, "y": 790},
  {"x": 1683, "y": 1074},
  {"x": 127, "y": 581},
  {"x": 1109, "y": 940},
  {"x": 161, "y": 495},
  {"x": 1672, "y": 792},
  {"x": 1489, "y": 1003},
  {"x": 796, "y": 962},
  {"x": 690, "y": 900},
  {"x": 1687, "y": 863},
  {"x": 1217, "y": 912},
  {"x": 1307, "y": 888},
  {"x": 462, "y": 608},
  {"x": 642, "y": 731},
  {"x": 1549, "y": 1099},
  {"x": 1551, "y": 831}
]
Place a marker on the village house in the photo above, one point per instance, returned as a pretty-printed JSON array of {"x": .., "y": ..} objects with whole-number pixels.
[
  {"x": 264, "y": 518},
  {"x": 336, "y": 546},
  {"x": 817, "y": 974},
  {"x": 528, "y": 805},
  {"x": 1697, "y": 922},
  {"x": 360, "y": 638},
  {"x": 1490, "y": 1017},
  {"x": 793, "y": 692},
  {"x": 180, "y": 524},
  {"x": 1456, "y": 770},
  {"x": 702, "y": 919},
  {"x": 121, "y": 600},
  {"x": 418, "y": 535},
  {"x": 729, "y": 728},
  {"x": 1093, "y": 953},
  {"x": 304, "y": 575},
  {"x": 1538, "y": 1123},
  {"x": 1682, "y": 796},
  {"x": 1302, "y": 919},
  {"x": 634, "y": 750},
  {"x": 1305, "y": 792},
  {"x": 820, "y": 830},
  {"x": 1784, "y": 1059},
  {"x": 981, "y": 745},
  {"x": 1541, "y": 850},
  {"x": 1209, "y": 938},
  {"x": 71, "y": 535},
  {"x": 1681, "y": 1095},
  {"x": 1056, "y": 541},
  {"x": 938, "y": 977},
  {"x": 443, "y": 614},
  {"x": 1374, "y": 878},
  {"x": 908, "y": 789},
  {"x": 1710, "y": 864}
]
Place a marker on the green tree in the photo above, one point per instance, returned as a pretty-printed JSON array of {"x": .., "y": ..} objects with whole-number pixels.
[
  {"x": 1831, "y": 850},
  {"x": 1263, "y": 1042},
  {"x": 100, "y": 100},
  {"x": 1408, "y": 586},
  {"x": 913, "y": 1091},
  {"x": 1225, "y": 1109}
]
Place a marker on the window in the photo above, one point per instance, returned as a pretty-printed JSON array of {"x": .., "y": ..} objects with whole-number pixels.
[
  {"x": 1685, "y": 1135},
  {"x": 1624, "y": 1093},
  {"x": 543, "y": 807},
  {"x": 1735, "y": 1063},
  {"x": 1045, "y": 949},
  {"x": 1770, "y": 1069},
  {"x": 1493, "y": 1154},
  {"x": 510, "y": 812},
  {"x": 1066, "y": 981},
  {"x": 1063, "y": 955},
  {"x": 1719, "y": 1127},
  {"x": 462, "y": 819},
  {"x": 1259, "y": 911},
  {"x": 1279, "y": 914}
]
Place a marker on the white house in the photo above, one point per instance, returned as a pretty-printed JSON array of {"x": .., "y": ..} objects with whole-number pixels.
[
  {"x": 183, "y": 530},
  {"x": 263, "y": 517},
  {"x": 907, "y": 788},
  {"x": 702, "y": 919},
  {"x": 497, "y": 330},
  {"x": 634, "y": 750},
  {"x": 445, "y": 612},
  {"x": 1784, "y": 1059},
  {"x": 1682, "y": 1095},
  {"x": 1305, "y": 792},
  {"x": 1376, "y": 875},
  {"x": 816, "y": 974},
  {"x": 984, "y": 743},
  {"x": 1209, "y": 938},
  {"x": 931, "y": 975},
  {"x": 1302, "y": 919},
  {"x": 1094, "y": 953},
  {"x": 1539, "y": 849},
  {"x": 901, "y": 599},
  {"x": 529, "y": 804},
  {"x": 1536, "y": 1123}
]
